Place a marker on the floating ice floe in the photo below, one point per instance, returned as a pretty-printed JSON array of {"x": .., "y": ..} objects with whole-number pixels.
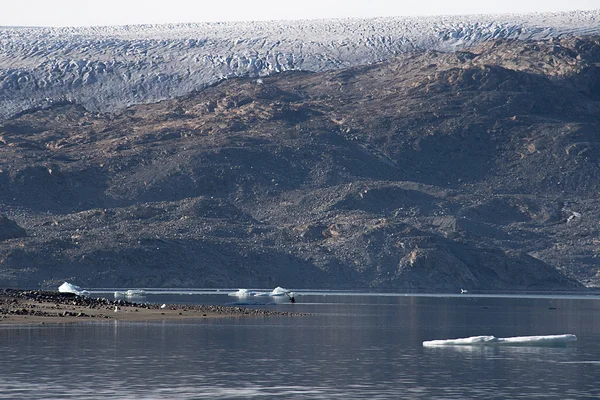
[
  {"x": 548, "y": 340},
  {"x": 276, "y": 293},
  {"x": 242, "y": 293},
  {"x": 131, "y": 293},
  {"x": 70, "y": 288},
  {"x": 279, "y": 291}
]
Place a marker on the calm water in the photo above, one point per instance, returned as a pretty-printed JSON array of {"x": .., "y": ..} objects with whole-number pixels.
[{"x": 355, "y": 346}]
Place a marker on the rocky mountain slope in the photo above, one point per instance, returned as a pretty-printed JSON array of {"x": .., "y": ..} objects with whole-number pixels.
[{"x": 432, "y": 170}]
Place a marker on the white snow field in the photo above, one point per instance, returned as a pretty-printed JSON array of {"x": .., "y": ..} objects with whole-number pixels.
[
  {"x": 108, "y": 68},
  {"x": 548, "y": 340}
]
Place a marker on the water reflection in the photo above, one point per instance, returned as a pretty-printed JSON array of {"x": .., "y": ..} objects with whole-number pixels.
[
  {"x": 351, "y": 348},
  {"x": 510, "y": 352}
]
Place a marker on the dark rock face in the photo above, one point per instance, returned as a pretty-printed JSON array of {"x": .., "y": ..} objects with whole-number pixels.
[
  {"x": 9, "y": 229},
  {"x": 430, "y": 171}
]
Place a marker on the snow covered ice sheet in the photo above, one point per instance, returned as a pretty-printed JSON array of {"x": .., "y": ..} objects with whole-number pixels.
[{"x": 108, "y": 68}]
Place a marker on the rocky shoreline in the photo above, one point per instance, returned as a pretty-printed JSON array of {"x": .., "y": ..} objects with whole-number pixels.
[{"x": 39, "y": 306}]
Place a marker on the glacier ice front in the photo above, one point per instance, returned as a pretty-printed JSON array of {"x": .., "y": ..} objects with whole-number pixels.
[
  {"x": 547, "y": 340},
  {"x": 70, "y": 288}
]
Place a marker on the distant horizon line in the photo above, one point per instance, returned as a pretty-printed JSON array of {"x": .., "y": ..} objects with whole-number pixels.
[{"x": 233, "y": 22}]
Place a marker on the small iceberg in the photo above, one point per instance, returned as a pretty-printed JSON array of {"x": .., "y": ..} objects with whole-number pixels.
[
  {"x": 131, "y": 293},
  {"x": 280, "y": 294},
  {"x": 276, "y": 294},
  {"x": 242, "y": 293},
  {"x": 70, "y": 288},
  {"x": 548, "y": 340},
  {"x": 279, "y": 291}
]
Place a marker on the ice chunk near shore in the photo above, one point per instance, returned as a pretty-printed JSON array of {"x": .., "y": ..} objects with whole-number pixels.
[
  {"x": 242, "y": 293},
  {"x": 280, "y": 294},
  {"x": 70, "y": 288},
  {"x": 131, "y": 293},
  {"x": 276, "y": 293},
  {"x": 279, "y": 291},
  {"x": 547, "y": 340}
]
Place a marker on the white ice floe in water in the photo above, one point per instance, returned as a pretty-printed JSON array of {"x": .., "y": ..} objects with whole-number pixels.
[
  {"x": 70, "y": 288},
  {"x": 279, "y": 291},
  {"x": 131, "y": 293},
  {"x": 276, "y": 293},
  {"x": 242, "y": 293},
  {"x": 108, "y": 68},
  {"x": 548, "y": 340}
]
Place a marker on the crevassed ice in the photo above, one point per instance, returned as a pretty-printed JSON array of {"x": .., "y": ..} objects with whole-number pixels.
[
  {"x": 545, "y": 340},
  {"x": 108, "y": 68}
]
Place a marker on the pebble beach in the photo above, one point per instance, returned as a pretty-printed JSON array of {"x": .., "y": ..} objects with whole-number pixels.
[{"x": 41, "y": 307}]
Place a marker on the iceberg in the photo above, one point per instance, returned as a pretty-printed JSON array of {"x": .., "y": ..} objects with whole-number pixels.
[
  {"x": 131, "y": 293},
  {"x": 280, "y": 294},
  {"x": 242, "y": 293},
  {"x": 279, "y": 291},
  {"x": 70, "y": 288},
  {"x": 276, "y": 294},
  {"x": 548, "y": 340}
]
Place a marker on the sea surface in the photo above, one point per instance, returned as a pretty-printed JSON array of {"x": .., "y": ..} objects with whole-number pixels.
[{"x": 354, "y": 345}]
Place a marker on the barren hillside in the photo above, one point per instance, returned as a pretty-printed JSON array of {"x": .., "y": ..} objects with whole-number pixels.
[{"x": 431, "y": 170}]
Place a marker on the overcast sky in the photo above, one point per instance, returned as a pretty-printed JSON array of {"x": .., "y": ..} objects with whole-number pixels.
[{"x": 121, "y": 12}]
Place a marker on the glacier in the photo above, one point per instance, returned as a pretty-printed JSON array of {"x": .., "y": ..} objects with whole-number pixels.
[
  {"x": 106, "y": 69},
  {"x": 545, "y": 340}
]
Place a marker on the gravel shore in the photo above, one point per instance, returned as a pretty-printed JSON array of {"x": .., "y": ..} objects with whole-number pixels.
[{"x": 39, "y": 307}]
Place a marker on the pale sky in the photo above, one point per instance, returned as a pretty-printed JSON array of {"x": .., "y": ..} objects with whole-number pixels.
[{"x": 122, "y": 12}]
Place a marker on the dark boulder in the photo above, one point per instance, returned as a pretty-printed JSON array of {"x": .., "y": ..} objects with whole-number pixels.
[{"x": 9, "y": 229}]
